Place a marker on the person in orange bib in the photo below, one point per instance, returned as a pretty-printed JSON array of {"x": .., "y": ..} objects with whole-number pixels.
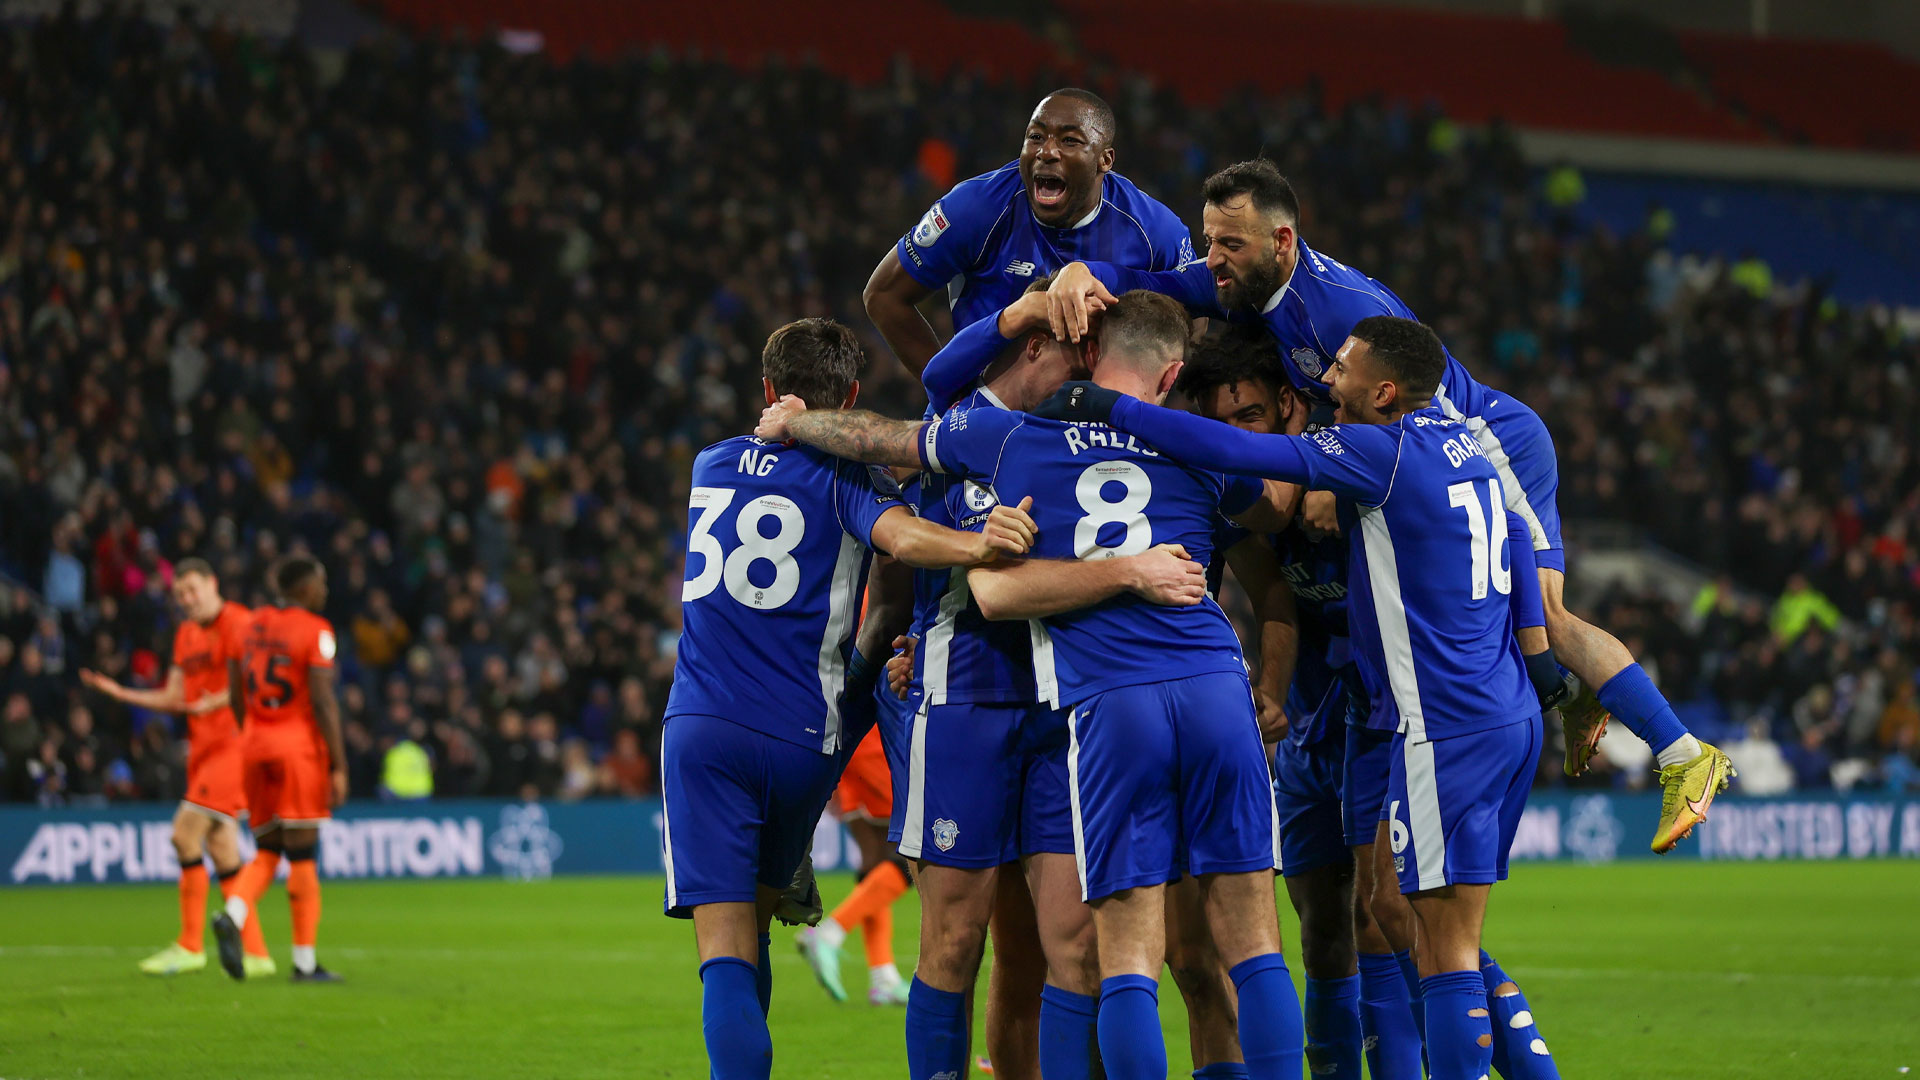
[
  {"x": 295, "y": 763},
  {"x": 208, "y": 820}
]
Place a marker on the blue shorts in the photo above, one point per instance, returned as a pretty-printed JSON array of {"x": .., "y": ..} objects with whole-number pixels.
[
  {"x": 1169, "y": 778},
  {"x": 1363, "y": 790},
  {"x": 738, "y": 809},
  {"x": 1306, "y": 798},
  {"x": 1453, "y": 804},
  {"x": 895, "y": 724},
  {"x": 1517, "y": 443},
  {"x": 986, "y": 784}
]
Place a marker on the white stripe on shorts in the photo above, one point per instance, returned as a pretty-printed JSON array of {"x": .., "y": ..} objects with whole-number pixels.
[
  {"x": 666, "y": 832},
  {"x": 1073, "y": 798},
  {"x": 1423, "y": 815},
  {"x": 914, "y": 824}
]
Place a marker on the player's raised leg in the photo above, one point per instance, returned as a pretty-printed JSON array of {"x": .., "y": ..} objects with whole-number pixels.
[{"x": 1212, "y": 1014}]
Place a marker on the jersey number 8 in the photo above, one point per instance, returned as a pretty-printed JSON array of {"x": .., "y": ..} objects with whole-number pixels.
[
  {"x": 719, "y": 565},
  {"x": 1091, "y": 491}
]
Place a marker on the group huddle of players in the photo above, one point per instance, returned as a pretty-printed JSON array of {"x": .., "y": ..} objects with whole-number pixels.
[
  {"x": 264, "y": 748},
  {"x": 1083, "y": 764}
]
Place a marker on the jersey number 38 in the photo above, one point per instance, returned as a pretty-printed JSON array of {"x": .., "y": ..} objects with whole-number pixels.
[{"x": 736, "y": 567}]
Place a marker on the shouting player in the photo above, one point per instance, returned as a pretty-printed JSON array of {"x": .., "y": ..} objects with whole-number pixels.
[
  {"x": 296, "y": 763},
  {"x": 1258, "y": 267},
  {"x": 759, "y": 724},
  {"x": 990, "y": 237},
  {"x": 208, "y": 820},
  {"x": 1165, "y": 766},
  {"x": 1433, "y": 630}
]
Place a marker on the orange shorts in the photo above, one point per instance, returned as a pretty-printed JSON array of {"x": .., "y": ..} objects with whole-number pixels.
[
  {"x": 216, "y": 784},
  {"x": 866, "y": 788},
  {"x": 287, "y": 782}
]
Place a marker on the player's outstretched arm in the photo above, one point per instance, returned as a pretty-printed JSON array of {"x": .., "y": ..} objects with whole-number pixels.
[
  {"x": 326, "y": 713},
  {"x": 961, "y": 361},
  {"x": 892, "y": 300},
  {"x": 919, "y": 542},
  {"x": 1276, "y": 618},
  {"x": 1035, "y": 588},
  {"x": 169, "y": 698},
  {"x": 854, "y": 434},
  {"x": 1081, "y": 290}
]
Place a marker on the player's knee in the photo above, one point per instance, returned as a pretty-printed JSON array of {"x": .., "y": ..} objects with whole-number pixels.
[
  {"x": 189, "y": 852},
  {"x": 1326, "y": 947},
  {"x": 953, "y": 951},
  {"x": 1391, "y": 913}
]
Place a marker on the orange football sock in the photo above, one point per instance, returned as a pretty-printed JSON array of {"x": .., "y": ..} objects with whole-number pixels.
[
  {"x": 253, "y": 882},
  {"x": 193, "y": 906},
  {"x": 875, "y": 893},
  {"x": 303, "y": 896},
  {"x": 251, "y": 939},
  {"x": 877, "y": 930}
]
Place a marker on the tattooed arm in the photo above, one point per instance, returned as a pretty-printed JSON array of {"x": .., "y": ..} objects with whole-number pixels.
[{"x": 855, "y": 434}]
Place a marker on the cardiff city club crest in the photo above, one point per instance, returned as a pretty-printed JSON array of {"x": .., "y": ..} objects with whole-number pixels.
[
  {"x": 944, "y": 834},
  {"x": 1309, "y": 362}
]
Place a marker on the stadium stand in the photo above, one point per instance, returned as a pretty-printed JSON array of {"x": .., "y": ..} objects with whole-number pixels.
[{"x": 463, "y": 353}]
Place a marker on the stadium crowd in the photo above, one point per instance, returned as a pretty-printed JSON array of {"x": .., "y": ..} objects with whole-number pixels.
[{"x": 251, "y": 303}]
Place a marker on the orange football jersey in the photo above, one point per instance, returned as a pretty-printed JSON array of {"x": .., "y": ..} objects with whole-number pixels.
[
  {"x": 201, "y": 653},
  {"x": 282, "y": 646}
]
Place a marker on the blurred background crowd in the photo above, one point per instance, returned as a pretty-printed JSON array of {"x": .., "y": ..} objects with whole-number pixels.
[{"x": 456, "y": 320}]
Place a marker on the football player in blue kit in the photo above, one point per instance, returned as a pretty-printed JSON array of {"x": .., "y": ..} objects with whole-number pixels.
[
  {"x": 1167, "y": 772},
  {"x": 985, "y": 797},
  {"x": 1258, "y": 267},
  {"x": 1435, "y": 644},
  {"x": 992, "y": 236},
  {"x": 777, "y": 548},
  {"x": 1331, "y": 777}
]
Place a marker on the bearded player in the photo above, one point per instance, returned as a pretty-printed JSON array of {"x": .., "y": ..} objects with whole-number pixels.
[
  {"x": 296, "y": 764},
  {"x": 208, "y": 820}
]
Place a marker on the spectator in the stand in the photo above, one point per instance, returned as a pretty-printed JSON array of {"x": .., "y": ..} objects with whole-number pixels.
[
  {"x": 626, "y": 772},
  {"x": 1800, "y": 606},
  {"x": 379, "y": 634}
]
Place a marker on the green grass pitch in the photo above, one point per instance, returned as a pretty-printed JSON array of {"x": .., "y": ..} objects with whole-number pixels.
[{"x": 1636, "y": 970}]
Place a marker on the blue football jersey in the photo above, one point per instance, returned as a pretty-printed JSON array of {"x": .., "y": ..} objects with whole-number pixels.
[
  {"x": 983, "y": 245},
  {"x": 1310, "y": 317},
  {"x": 1326, "y": 682},
  {"x": 1428, "y": 582},
  {"x": 778, "y": 544},
  {"x": 962, "y": 656},
  {"x": 1100, "y": 494}
]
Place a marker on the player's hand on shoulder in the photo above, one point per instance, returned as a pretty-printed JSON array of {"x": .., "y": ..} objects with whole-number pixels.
[
  {"x": 1072, "y": 300},
  {"x": 775, "y": 417},
  {"x": 1166, "y": 575},
  {"x": 1319, "y": 515},
  {"x": 900, "y": 667},
  {"x": 1009, "y": 530},
  {"x": 1079, "y": 403}
]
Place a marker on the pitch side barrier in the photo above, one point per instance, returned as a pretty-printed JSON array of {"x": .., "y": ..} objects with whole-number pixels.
[{"x": 532, "y": 841}]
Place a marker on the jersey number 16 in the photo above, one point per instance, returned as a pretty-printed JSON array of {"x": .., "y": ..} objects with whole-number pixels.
[{"x": 1486, "y": 531}]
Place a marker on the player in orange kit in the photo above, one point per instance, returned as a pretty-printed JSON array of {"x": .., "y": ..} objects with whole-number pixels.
[
  {"x": 295, "y": 770},
  {"x": 208, "y": 820}
]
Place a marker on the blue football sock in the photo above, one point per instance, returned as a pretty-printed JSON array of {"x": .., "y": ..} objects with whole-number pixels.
[
  {"x": 1222, "y": 1070},
  {"x": 1632, "y": 699},
  {"x": 1272, "y": 1035},
  {"x": 765, "y": 973},
  {"x": 1519, "y": 1053},
  {"x": 738, "y": 1046},
  {"x": 936, "y": 1032},
  {"x": 1410, "y": 975},
  {"x": 1131, "y": 1046},
  {"x": 1067, "y": 1023},
  {"x": 1459, "y": 1034},
  {"x": 1386, "y": 1019},
  {"x": 1332, "y": 1014}
]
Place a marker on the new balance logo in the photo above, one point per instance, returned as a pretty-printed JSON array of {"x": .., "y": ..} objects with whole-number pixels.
[{"x": 1019, "y": 268}]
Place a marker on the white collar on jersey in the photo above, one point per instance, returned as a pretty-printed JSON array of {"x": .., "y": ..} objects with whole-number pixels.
[
  {"x": 1091, "y": 214},
  {"x": 993, "y": 397},
  {"x": 1281, "y": 293}
]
